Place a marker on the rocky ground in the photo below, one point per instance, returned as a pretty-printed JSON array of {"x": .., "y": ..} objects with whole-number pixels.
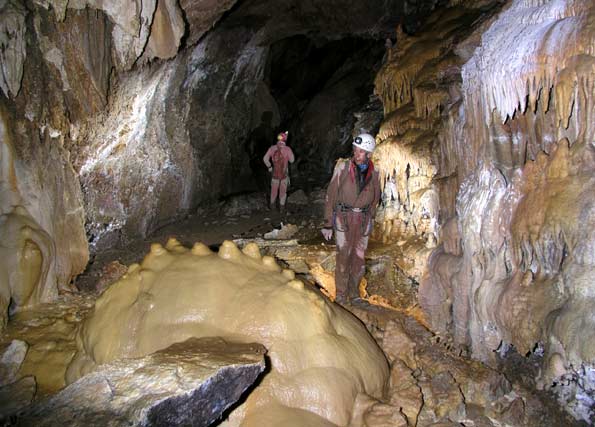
[{"x": 431, "y": 383}]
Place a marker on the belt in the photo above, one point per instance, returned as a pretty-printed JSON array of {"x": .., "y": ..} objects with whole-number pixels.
[{"x": 344, "y": 208}]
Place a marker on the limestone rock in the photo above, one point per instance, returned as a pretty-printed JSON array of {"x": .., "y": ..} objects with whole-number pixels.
[
  {"x": 11, "y": 361},
  {"x": 109, "y": 274},
  {"x": 442, "y": 394},
  {"x": 405, "y": 394},
  {"x": 43, "y": 238},
  {"x": 515, "y": 248},
  {"x": 167, "y": 30},
  {"x": 26, "y": 263},
  {"x": 315, "y": 347},
  {"x": 287, "y": 231},
  {"x": 397, "y": 345},
  {"x": 203, "y": 15},
  {"x": 16, "y": 396},
  {"x": 12, "y": 46},
  {"x": 188, "y": 383},
  {"x": 298, "y": 198}
]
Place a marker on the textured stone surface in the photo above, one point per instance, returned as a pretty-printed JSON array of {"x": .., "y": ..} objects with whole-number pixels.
[
  {"x": 499, "y": 127},
  {"x": 16, "y": 391},
  {"x": 16, "y": 396},
  {"x": 11, "y": 361},
  {"x": 189, "y": 383},
  {"x": 12, "y": 43},
  {"x": 321, "y": 357}
]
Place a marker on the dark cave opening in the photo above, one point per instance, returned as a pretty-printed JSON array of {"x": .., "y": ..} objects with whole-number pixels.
[{"x": 318, "y": 87}]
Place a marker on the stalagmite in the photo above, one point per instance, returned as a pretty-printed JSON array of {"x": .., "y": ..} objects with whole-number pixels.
[{"x": 321, "y": 357}]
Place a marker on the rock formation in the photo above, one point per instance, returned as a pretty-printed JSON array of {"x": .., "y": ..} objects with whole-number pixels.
[
  {"x": 321, "y": 357},
  {"x": 117, "y": 117},
  {"x": 190, "y": 383},
  {"x": 491, "y": 124}
]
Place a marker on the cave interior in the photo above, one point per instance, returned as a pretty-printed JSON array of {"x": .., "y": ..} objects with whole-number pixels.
[{"x": 145, "y": 280}]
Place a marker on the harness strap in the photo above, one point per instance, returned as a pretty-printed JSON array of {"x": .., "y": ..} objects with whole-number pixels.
[{"x": 344, "y": 208}]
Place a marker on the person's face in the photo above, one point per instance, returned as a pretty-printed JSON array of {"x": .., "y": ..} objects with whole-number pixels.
[{"x": 359, "y": 156}]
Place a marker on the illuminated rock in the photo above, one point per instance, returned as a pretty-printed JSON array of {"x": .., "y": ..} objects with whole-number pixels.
[
  {"x": 188, "y": 383},
  {"x": 321, "y": 356},
  {"x": 41, "y": 253},
  {"x": 11, "y": 361},
  {"x": 16, "y": 392},
  {"x": 500, "y": 125},
  {"x": 26, "y": 263},
  {"x": 12, "y": 47}
]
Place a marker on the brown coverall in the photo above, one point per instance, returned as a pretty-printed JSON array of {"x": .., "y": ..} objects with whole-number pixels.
[{"x": 350, "y": 211}]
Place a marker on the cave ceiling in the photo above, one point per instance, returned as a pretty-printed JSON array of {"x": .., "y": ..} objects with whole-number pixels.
[{"x": 320, "y": 20}]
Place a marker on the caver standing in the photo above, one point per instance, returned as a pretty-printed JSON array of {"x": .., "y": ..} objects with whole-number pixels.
[
  {"x": 277, "y": 160},
  {"x": 351, "y": 200}
]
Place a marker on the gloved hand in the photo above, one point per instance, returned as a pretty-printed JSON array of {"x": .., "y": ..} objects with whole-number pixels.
[{"x": 327, "y": 233}]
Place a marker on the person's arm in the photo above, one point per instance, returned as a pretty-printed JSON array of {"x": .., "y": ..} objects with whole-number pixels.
[
  {"x": 290, "y": 156},
  {"x": 267, "y": 158},
  {"x": 332, "y": 193}
]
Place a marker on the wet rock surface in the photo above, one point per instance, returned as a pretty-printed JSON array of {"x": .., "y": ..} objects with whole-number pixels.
[{"x": 190, "y": 383}]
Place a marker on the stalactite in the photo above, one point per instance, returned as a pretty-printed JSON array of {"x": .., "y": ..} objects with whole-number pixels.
[{"x": 511, "y": 140}]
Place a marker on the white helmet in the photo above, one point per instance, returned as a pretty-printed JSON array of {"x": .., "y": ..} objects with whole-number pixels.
[{"x": 365, "y": 141}]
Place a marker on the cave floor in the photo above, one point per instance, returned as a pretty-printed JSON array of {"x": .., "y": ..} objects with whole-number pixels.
[{"x": 445, "y": 383}]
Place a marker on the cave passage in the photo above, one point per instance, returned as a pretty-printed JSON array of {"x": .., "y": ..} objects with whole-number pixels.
[{"x": 138, "y": 256}]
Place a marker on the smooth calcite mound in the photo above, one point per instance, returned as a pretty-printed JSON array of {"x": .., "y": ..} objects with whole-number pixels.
[{"x": 321, "y": 357}]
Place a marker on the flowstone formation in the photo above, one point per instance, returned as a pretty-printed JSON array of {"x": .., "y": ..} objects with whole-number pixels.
[
  {"x": 321, "y": 357},
  {"x": 489, "y": 119},
  {"x": 37, "y": 260}
]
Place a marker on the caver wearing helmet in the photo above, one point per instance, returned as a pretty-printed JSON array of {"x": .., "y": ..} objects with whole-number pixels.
[
  {"x": 365, "y": 141},
  {"x": 282, "y": 137},
  {"x": 277, "y": 160},
  {"x": 350, "y": 206}
]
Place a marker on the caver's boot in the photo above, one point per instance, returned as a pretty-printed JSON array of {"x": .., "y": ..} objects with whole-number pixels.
[
  {"x": 353, "y": 290},
  {"x": 341, "y": 298},
  {"x": 282, "y": 209}
]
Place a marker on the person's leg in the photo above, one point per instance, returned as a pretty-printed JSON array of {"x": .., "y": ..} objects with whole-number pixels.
[
  {"x": 274, "y": 191},
  {"x": 282, "y": 194},
  {"x": 358, "y": 264},
  {"x": 342, "y": 265}
]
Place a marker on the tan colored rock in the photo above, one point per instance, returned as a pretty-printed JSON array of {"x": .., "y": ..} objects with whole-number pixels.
[
  {"x": 203, "y": 15},
  {"x": 405, "y": 394},
  {"x": 12, "y": 47},
  {"x": 188, "y": 383},
  {"x": 397, "y": 345},
  {"x": 444, "y": 397},
  {"x": 369, "y": 412},
  {"x": 321, "y": 356},
  {"x": 505, "y": 121},
  {"x": 26, "y": 263},
  {"x": 167, "y": 30}
]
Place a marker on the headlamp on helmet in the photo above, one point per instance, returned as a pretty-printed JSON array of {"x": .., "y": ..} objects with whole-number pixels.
[
  {"x": 283, "y": 136},
  {"x": 365, "y": 141}
]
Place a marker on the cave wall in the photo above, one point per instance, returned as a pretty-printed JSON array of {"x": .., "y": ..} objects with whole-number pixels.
[
  {"x": 167, "y": 143},
  {"x": 496, "y": 119},
  {"x": 44, "y": 244},
  {"x": 121, "y": 116}
]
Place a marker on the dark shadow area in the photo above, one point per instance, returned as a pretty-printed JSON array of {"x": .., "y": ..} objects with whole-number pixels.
[{"x": 322, "y": 87}]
